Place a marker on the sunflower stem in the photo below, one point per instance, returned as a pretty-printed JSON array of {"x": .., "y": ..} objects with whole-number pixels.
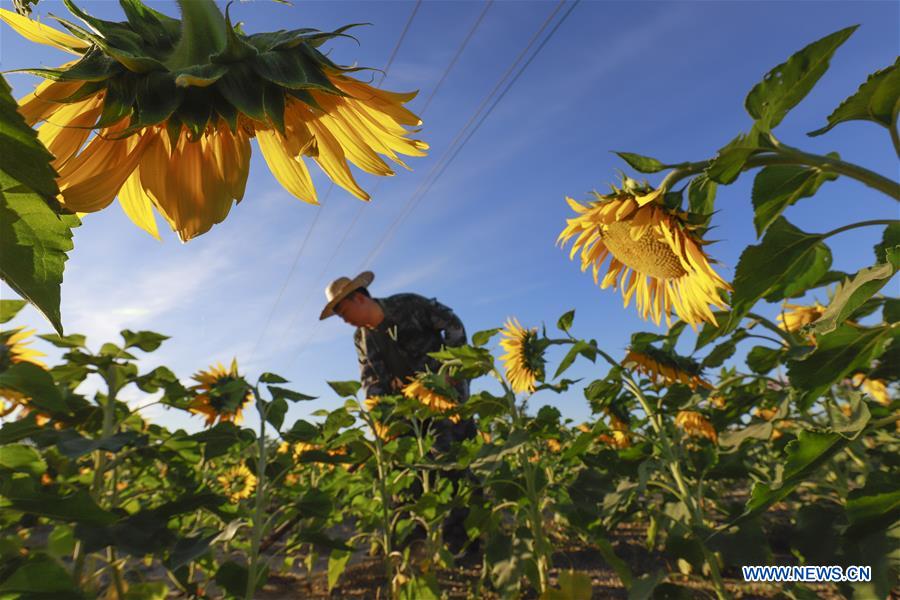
[
  {"x": 835, "y": 165},
  {"x": 258, "y": 513},
  {"x": 786, "y": 155},
  {"x": 860, "y": 224},
  {"x": 202, "y": 34},
  {"x": 686, "y": 497}
]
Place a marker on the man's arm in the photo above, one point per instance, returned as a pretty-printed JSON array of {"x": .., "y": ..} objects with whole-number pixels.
[{"x": 444, "y": 319}]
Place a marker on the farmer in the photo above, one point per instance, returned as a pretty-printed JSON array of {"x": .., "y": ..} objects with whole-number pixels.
[{"x": 393, "y": 338}]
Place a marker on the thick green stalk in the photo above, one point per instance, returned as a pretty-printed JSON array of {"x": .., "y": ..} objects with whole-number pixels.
[
  {"x": 259, "y": 509},
  {"x": 686, "y": 497},
  {"x": 202, "y": 34}
]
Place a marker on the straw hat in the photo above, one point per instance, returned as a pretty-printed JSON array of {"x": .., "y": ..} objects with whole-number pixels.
[{"x": 341, "y": 287}]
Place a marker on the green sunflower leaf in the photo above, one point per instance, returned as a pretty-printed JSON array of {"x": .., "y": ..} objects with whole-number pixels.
[
  {"x": 876, "y": 100},
  {"x": 838, "y": 354},
  {"x": 643, "y": 164},
  {"x": 243, "y": 89},
  {"x": 787, "y": 262},
  {"x": 34, "y": 239},
  {"x": 805, "y": 455},
  {"x": 852, "y": 293},
  {"x": 787, "y": 84},
  {"x": 9, "y": 309},
  {"x": 889, "y": 239},
  {"x": 345, "y": 389},
  {"x": 40, "y": 577},
  {"x": 777, "y": 187}
]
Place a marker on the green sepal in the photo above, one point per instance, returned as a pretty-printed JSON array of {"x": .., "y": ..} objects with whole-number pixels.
[
  {"x": 225, "y": 110},
  {"x": 268, "y": 40},
  {"x": 273, "y": 99},
  {"x": 156, "y": 98},
  {"x": 236, "y": 49},
  {"x": 157, "y": 30},
  {"x": 93, "y": 66},
  {"x": 118, "y": 102},
  {"x": 293, "y": 70},
  {"x": 195, "y": 111},
  {"x": 88, "y": 89},
  {"x": 244, "y": 89},
  {"x": 318, "y": 38},
  {"x": 199, "y": 75}
]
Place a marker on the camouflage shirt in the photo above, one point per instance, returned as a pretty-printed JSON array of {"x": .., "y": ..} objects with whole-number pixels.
[{"x": 390, "y": 354}]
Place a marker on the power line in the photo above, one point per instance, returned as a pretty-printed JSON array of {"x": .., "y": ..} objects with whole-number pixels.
[
  {"x": 453, "y": 150},
  {"x": 441, "y": 166},
  {"x": 290, "y": 273},
  {"x": 459, "y": 52},
  {"x": 403, "y": 33}
]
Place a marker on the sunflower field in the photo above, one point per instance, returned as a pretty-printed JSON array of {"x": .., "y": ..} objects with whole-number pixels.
[{"x": 698, "y": 459}]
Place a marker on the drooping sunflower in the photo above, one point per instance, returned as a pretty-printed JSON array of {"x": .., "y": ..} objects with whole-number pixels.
[
  {"x": 795, "y": 317},
  {"x": 174, "y": 104},
  {"x": 425, "y": 390},
  {"x": 524, "y": 358},
  {"x": 238, "y": 483},
  {"x": 696, "y": 425},
  {"x": 656, "y": 254},
  {"x": 877, "y": 388},
  {"x": 222, "y": 395},
  {"x": 662, "y": 367}
]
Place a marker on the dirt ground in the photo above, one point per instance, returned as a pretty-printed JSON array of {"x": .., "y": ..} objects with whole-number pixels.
[{"x": 364, "y": 576}]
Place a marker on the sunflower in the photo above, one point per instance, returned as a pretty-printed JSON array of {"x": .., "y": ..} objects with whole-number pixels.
[
  {"x": 656, "y": 255},
  {"x": 216, "y": 398},
  {"x": 663, "y": 367},
  {"x": 877, "y": 388},
  {"x": 618, "y": 437},
  {"x": 696, "y": 425},
  {"x": 795, "y": 317},
  {"x": 524, "y": 358},
  {"x": 174, "y": 105},
  {"x": 238, "y": 482},
  {"x": 421, "y": 390},
  {"x": 14, "y": 350},
  {"x": 767, "y": 414}
]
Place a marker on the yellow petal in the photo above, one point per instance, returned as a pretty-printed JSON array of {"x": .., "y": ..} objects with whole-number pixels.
[
  {"x": 138, "y": 204},
  {"x": 34, "y": 31},
  {"x": 290, "y": 172}
]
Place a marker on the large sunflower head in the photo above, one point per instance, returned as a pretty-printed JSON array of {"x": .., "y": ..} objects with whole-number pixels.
[
  {"x": 664, "y": 368},
  {"x": 238, "y": 483},
  {"x": 524, "y": 358},
  {"x": 795, "y": 317},
  {"x": 222, "y": 394},
  {"x": 432, "y": 391},
  {"x": 696, "y": 425},
  {"x": 175, "y": 103},
  {"x": 656, "y": 254}
]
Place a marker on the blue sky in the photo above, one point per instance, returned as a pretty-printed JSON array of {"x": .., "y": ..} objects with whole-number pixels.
[{"x": 666, "y": 79}]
